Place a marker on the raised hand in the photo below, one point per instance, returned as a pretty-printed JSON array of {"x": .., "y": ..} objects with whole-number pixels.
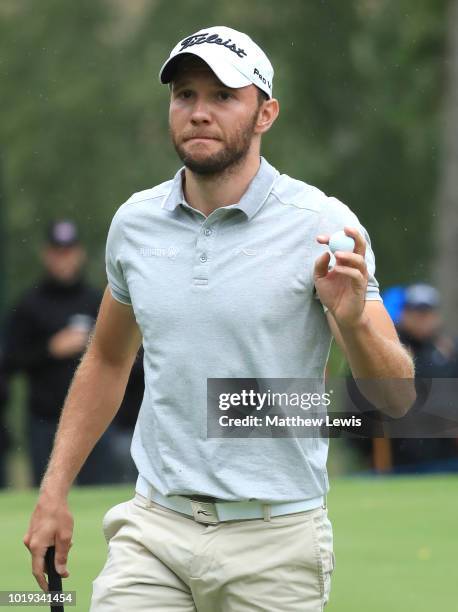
[{"x": 343, "y": 289}]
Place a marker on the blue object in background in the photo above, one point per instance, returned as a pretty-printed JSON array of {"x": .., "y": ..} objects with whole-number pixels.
[{"x": 393, "y": 298}]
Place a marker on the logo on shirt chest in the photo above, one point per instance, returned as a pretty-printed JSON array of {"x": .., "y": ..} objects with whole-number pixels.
[
  {"x": 170, "y": 252},
  {"x": 267, "y": 252}
]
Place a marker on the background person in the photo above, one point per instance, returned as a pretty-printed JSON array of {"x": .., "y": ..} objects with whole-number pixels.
[
  {"x": 435, "y": 352},
  {"x": 45, "y": 335},
  {"x": 415, "y": 310}
]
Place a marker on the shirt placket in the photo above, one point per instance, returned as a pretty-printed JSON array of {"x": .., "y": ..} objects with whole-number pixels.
[{"x": 205, "y": 249}]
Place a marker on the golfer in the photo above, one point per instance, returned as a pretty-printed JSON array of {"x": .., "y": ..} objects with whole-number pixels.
[{"x": 221, "y": 272}]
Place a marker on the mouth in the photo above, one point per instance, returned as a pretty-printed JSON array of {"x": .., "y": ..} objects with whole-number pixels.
[{"x": 201, "y": 139}]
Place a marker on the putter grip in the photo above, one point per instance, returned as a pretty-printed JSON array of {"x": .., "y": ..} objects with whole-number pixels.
[{"x": 54, "y": 579}]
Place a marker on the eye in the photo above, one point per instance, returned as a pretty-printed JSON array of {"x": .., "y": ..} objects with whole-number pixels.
[
  {"x": 224, "y": 95},
  {"x": 184, "y": 94}
]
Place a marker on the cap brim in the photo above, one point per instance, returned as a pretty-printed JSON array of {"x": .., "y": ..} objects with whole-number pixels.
[
  {"x": 227, "y": 74},
  {"x": 421, "y": 306}
]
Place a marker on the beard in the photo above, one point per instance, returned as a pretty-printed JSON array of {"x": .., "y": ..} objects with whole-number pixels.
[{"x": 230, "y": 156}]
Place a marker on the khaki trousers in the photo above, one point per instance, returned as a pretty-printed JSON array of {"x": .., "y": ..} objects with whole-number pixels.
[{"x": 164, "y": 561}]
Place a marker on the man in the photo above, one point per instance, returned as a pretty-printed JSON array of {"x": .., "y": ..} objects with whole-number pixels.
[
  {"x": 45, "y": 337},
  {"x": 421, "y": 330},
  {"x": 214, "y": 270}
]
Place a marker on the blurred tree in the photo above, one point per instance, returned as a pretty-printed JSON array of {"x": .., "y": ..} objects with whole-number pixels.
[
  {"x": 83, "y": 120},
  {"x": 447, "y": 214},
  {"x": 66, "y": 125},
  {"x": 360, "y": 86},
  {"x": 390, "y": 174}
]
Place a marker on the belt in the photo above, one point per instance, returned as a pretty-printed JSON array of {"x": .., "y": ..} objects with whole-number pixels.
[{"x": 212, "y": 512}]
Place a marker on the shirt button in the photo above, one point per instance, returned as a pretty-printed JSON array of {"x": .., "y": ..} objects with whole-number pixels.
[
  {"x": 208, "y": 232},
  {"x": 203, "y": 258}
]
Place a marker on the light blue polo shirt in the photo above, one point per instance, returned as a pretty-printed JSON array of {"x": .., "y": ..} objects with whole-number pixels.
[{"x": 230, "y": 295}]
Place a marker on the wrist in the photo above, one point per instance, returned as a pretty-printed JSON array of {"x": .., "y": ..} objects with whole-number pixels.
[
  {"x": 362, "y": 323},
  {"x": 51, "y": 505},
  {"x": 51, "y": 492}
]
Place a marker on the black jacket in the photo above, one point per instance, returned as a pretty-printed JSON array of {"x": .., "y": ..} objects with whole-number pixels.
[
  {"x": 43, "y": 311},
  {"x": 430, "y": 363}
]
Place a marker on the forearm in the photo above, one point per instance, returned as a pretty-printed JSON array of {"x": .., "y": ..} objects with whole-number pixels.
[
  {"x": 372, "y": 355},
  {"x": 384, "y": 364},
  {"x": 92, "y": 401}
]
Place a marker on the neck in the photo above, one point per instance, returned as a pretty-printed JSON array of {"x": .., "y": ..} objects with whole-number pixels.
[{"x": 207, "y": 193}]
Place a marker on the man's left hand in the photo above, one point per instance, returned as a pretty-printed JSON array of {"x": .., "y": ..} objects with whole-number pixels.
[{"x": 343, "y": 289}]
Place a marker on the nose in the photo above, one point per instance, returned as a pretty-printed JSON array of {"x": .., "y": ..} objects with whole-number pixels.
[{"x": 200, "y": 112}]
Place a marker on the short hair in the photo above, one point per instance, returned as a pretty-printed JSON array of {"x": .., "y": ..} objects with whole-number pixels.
[{"x": 262, "y": 96}]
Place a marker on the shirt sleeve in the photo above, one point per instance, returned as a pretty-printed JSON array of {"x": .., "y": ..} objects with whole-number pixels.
[
  {"x": 334, "y": 217},
  {"x": 114, "y": 262}
]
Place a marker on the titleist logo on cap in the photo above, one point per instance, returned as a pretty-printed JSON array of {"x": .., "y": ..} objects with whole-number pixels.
[
  {"x": 252, "y": 66},
  {"x": 213, "y": 39}
]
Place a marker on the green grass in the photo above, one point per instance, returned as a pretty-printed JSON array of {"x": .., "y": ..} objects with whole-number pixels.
[{"x": 395, "y": 543}]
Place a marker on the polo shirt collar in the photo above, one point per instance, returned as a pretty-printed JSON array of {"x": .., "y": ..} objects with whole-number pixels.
[{"x": 252, "y": 200}]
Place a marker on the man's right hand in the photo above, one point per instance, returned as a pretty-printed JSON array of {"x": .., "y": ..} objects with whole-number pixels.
[
  {"x": 51, "y": 524},
  {"x": 68, "y": 342}
]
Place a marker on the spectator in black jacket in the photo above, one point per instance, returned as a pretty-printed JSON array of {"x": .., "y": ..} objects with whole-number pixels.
[
  {"x": 435, "y": 353},
  {"x": 421, "y": 330},
  {"x": 45, "y": 337}
]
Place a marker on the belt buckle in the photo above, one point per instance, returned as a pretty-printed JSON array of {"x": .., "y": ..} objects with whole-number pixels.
[{"x": 204, "y": 512}]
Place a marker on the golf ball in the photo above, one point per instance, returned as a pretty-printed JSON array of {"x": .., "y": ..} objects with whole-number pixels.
[{"x": 339, "y": 241}]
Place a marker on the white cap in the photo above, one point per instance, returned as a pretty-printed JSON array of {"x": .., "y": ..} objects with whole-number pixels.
[
  {"x": 236, "y": 60},
  {"x": 421, "y": 296}
]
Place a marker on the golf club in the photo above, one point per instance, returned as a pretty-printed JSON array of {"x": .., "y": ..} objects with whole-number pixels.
[{"x": 54, "y": 579}]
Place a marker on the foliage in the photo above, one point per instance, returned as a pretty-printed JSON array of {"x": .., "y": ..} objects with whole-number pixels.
[{"x": 83, "y": 121}]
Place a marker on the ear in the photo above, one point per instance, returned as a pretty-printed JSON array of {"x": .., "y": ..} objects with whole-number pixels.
[{"x": 267, "y": 114}]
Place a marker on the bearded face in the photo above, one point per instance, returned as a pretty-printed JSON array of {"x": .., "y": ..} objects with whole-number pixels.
[
  {"x": 204, "y": 159},
  {"x": 212, "y": 126}
]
